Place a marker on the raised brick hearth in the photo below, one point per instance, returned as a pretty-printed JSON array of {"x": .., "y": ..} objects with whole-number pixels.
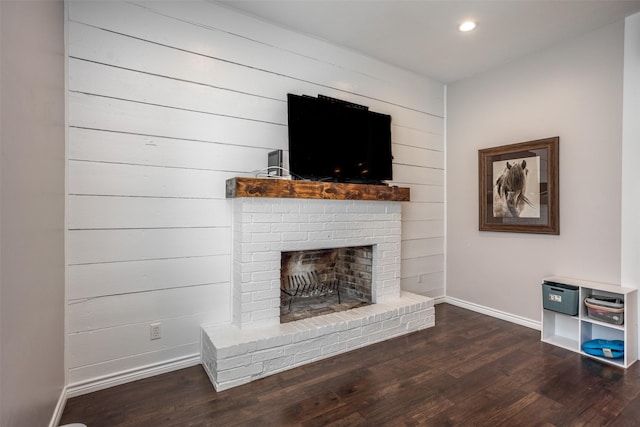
[{"x": 256, "y": 344}]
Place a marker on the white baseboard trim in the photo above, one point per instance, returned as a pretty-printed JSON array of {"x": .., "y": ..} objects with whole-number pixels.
[
  {"x": 59, "y": 409},
  {"x": 439, "y": 300},
  {"x": 100, "y": 383},
  {"x": 523, "y": 321}
]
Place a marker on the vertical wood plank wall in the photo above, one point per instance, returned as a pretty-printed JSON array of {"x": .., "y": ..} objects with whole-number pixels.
[{"x": 166, "y": 101}]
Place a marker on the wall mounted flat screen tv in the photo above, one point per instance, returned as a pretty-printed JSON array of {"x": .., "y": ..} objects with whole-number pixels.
[{"x": 333, "y": 140}]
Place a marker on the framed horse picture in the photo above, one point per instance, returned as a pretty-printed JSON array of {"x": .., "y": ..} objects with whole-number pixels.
[{"x": 519, "y": 187}]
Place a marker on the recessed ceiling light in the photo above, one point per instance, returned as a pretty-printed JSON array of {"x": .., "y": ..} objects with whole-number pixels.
[{"x": 467, "y": 26}]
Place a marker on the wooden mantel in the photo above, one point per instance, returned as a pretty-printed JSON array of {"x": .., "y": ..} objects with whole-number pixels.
[{"x": 284, "y": 188}]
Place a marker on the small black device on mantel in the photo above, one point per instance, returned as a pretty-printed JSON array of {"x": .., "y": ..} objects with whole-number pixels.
[
  {"x": 334, "y": 140},
  {"x": 274, "y": 163}
]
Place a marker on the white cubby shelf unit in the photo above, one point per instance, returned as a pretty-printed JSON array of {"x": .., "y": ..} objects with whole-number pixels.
[{"x": 571, "y": 332}]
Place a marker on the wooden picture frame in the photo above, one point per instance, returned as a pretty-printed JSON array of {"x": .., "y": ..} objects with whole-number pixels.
[{"x": 519, "y": 187}]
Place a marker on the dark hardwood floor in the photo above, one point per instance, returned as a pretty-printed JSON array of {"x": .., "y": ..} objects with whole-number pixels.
[{"x": 468, "y": 370}]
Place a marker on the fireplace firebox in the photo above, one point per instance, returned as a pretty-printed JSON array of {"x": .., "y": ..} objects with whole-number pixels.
[{"x": 322, "y": 281}]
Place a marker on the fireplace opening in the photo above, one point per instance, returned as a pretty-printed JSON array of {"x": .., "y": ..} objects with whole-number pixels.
[{"x": 321, "y": 281}]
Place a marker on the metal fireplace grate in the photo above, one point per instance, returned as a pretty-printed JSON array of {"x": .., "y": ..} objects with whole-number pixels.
[{"x": 308, "y": 285}]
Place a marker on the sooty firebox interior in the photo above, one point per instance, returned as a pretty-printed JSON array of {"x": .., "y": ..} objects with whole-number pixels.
[{"x": 322, "y": 281}]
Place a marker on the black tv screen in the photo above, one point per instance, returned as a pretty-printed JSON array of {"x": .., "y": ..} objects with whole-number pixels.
[{"x": 332, "y": 140}]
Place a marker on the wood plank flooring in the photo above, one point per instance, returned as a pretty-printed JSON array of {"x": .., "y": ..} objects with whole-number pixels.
[{"x": 468, "y": 370}]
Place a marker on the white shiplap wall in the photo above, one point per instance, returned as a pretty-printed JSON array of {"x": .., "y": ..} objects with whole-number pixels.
[{"x": 166, "y": 101}]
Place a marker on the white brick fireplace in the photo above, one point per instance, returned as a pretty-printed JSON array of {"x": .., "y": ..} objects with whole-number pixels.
[{"x": 256, "y": 344}]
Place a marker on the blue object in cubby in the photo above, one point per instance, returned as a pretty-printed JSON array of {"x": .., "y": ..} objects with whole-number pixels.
[{"x": 604, "y": 348}]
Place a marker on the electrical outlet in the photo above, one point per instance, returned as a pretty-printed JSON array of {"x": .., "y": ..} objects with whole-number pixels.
[{"x": 155, "y": 331}]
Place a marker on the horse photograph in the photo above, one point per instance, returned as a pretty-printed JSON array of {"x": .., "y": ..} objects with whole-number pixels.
[{"x": 516, "y": 190}]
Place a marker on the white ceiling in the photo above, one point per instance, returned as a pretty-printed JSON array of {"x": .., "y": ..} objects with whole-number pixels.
[{"x": 422, "y": 35}]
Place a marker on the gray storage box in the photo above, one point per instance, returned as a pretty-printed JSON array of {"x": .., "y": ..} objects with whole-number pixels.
[{"x": 560, "y": 297}]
